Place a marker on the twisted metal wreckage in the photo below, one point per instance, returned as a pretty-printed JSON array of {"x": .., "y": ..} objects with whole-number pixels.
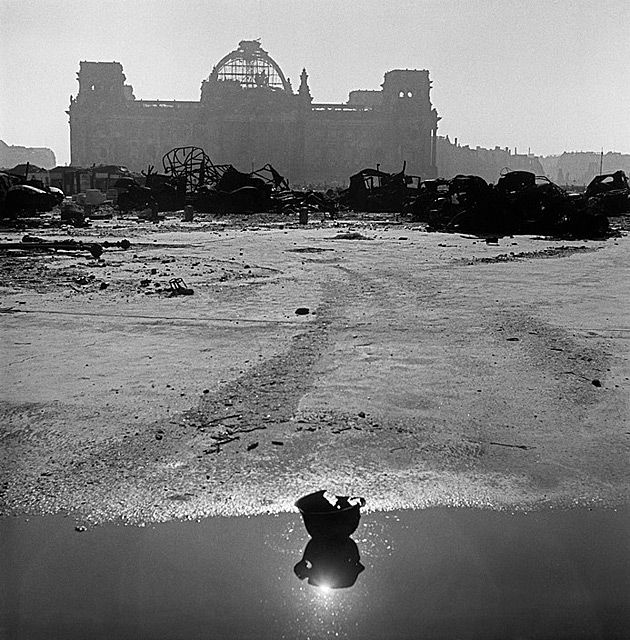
[
  {"x": 520, "y": 201},
  {"x": 190, "y": 177}
]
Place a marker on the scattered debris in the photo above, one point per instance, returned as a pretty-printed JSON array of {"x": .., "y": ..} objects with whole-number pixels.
[
  {"x": 350, "y": 235},
  {"x": 512, "y": 446},
  {"x": 309, "y": 250},
  {"x": 32, "y": 243},
  {"x": 551, "y": 252},
  {"x": 178, "y": 287}
]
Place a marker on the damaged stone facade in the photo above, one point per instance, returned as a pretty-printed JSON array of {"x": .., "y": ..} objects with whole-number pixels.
[{"x": 249, "y": 115}]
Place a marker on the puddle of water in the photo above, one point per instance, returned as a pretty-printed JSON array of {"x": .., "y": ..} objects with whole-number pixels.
[{"x": 437, "y": 573}]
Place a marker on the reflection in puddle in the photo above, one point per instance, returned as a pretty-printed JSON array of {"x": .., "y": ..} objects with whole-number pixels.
[
  {"x": 331, "y": 558},
  {"x": 330, "y": 564}
]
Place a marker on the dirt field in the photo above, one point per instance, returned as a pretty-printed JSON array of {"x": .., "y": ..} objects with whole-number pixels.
[{"x": 431, "y": 369}]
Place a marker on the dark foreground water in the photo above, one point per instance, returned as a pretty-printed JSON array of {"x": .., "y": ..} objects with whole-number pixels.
[{"x": 437, "y": 573}]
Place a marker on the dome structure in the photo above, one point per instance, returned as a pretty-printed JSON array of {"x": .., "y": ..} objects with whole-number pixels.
[{"x": 251, "y": 67}]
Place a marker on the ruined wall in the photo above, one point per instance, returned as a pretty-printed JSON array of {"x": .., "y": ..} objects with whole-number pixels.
[
  {"x": 109, "y": 126},
  {"x": 387, "y": 127},
  {"x": 249, "y": 127}
]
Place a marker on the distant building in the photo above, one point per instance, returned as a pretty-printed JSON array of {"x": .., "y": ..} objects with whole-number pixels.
[
  {"x": 488, "y": 163},
  {"x": 578, "y": 168},
  {"x": 249, "y": 115},
  {"x": 10, "y": 155}
]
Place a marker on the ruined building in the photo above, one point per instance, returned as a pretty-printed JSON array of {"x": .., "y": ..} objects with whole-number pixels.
[{"x": 249, "y": 115}]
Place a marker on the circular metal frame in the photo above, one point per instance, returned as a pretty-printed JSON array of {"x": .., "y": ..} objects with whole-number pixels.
[
  {"x": 190, "y": 163},
  {"x": 252, "y": 67}
]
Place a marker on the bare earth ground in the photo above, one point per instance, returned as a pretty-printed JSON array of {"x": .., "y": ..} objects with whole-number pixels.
[{"x": 431, "y": 369}]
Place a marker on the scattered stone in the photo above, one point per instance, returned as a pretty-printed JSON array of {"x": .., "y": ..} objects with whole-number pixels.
[
  {"x": 596, "y": 383},
  {"x": 252, "y": 446},
  {"x": 302, "y": 311},
  {"x": 104, "y": 285},
  {"x": 513, "y": 339},
  {"x": 361, "y": 414},
  {"x": 80, "y": 528},
  {"x": 278, "y": 443}
]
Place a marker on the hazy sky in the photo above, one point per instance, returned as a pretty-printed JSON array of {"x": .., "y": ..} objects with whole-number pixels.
[{"x": 552, "y": 75}]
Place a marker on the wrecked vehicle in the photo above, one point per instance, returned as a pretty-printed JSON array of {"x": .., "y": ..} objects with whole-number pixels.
[
  {"x": 534, "y": 204},
  {"x": 168, "y": 192},
  {"x": 6, "y": 182},
  {"x": 132, "y": 196},
  {"x": 374, "y": 190},
  {"x": 161, "y": 191},
  {"x": 465, "y": 203},
  {"x": 610, "y": 193},
  {"x": 21, "y": 197},
  {"x": 235, "y": 191},
  {"x": 23, "y": 200}
]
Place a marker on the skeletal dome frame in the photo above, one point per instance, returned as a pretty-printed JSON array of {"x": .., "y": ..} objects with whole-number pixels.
[{"x": 252, "y": 67}]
